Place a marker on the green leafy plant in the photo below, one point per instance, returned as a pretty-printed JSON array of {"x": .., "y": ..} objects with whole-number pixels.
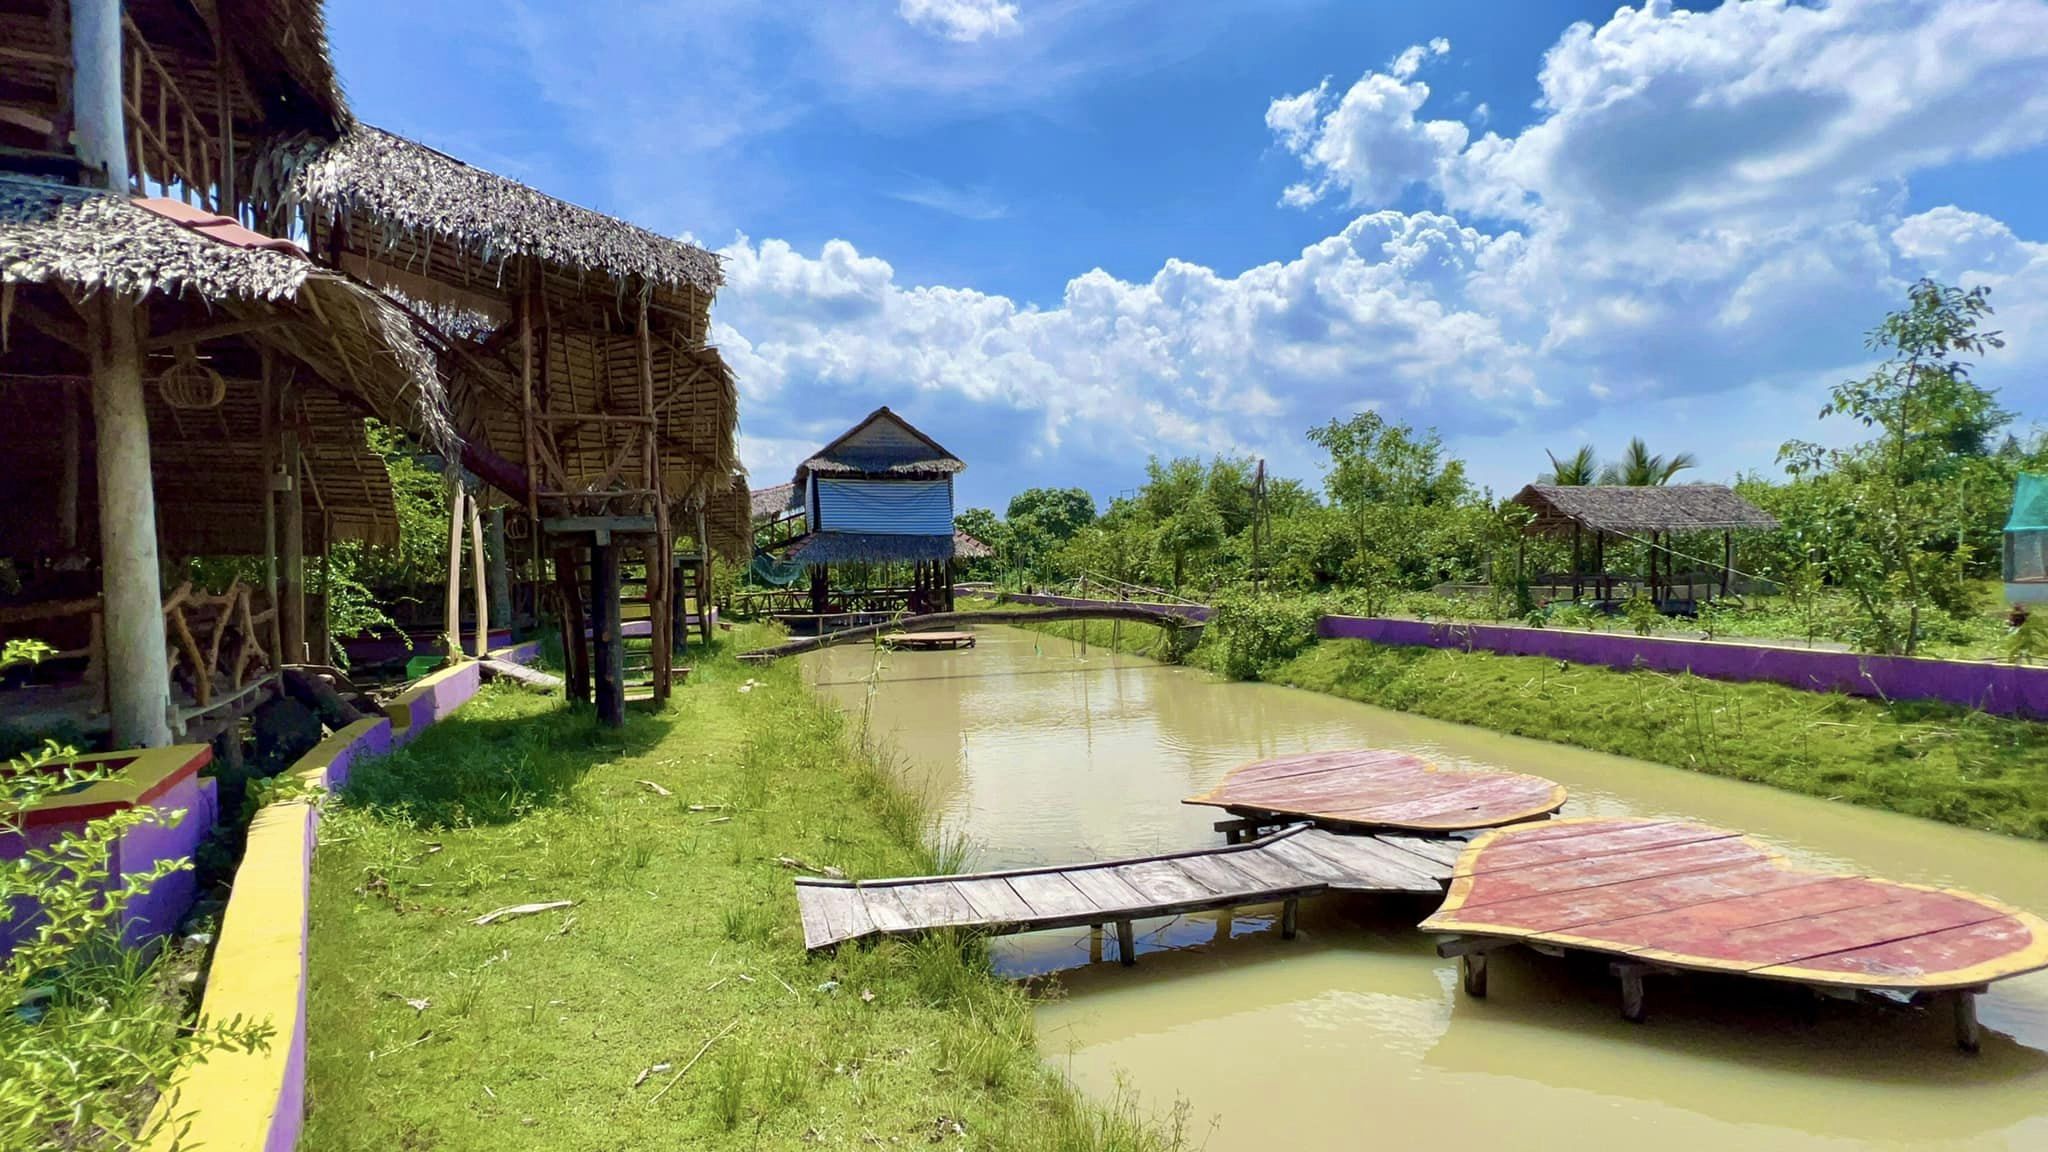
[
  {"x": 88, "y": 1043},
  {"x": 1642, "y": 614},
  {"x": 1258, "y": 631}
]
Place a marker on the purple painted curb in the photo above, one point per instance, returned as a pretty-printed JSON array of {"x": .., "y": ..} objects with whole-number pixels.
[
  {"x": 1198, "y": 613},
  {"x": 1999, "y": 689},
  {"x": 288, "y": 1118}
]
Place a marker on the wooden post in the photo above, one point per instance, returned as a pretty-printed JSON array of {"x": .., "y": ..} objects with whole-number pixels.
[
  {"x": 480, "y": 597},
  {"x": 1290, "y": 915},
  {"x": 575, "y": 645},
  {"x": 501, "y": 570},
  {"x": 451, "y": 601},
  {"x": 1578, "y": 580},
  {"x": 292, "y": 583},
  {"x": 326, "y": 653},
  {"x": 703, "y": 575},
  {"x": 137, "y": 668},
  {"x": 526, "y": 391},
  {"x": 1632, "y": 1007},
  {"x": 1126, "y": 943},
  {"x": 1968, "y": 1036},
  {"x": 607, "y": 647},
  {"x": 1472, "y": 966},
  {"x": 267, "y": 407},
  {"x": 73, "y": 451},
  {"x": 1727, "y": 559},
  {"x": 821, "y": 588}
]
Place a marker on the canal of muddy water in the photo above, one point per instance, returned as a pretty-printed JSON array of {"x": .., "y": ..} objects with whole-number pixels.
[{"x": 1354, "y": 1035}]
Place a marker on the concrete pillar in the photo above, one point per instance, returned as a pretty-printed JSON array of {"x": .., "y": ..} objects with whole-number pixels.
[{"x": 138, "y": 678}]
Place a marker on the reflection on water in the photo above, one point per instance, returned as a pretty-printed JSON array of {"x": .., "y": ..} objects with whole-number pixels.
[{"x": 1354, "y": 1035}]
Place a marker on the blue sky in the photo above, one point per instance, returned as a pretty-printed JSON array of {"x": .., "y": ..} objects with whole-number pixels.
[{"x": 1063, "y": 236}]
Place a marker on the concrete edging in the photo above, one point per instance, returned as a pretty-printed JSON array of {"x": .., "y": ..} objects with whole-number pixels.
[
  {"x": 1999, "y": 689},
  {"x": 256, "y": 1101}
]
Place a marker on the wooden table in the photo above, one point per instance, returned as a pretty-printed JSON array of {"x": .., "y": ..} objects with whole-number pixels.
[{"x": 1365, "y": 788}]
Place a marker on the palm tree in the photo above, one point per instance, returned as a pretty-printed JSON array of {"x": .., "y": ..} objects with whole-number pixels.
[
  {"x": 1639, "y": 468},
  {"x": 1574, "y": 471}
]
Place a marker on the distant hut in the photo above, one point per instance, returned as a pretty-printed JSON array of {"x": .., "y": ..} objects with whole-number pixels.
[
  {"x": 576, "y": 344},
  {"x": 173, "y": 383},
  {"x": 2026, "y": 542},
  {"x": 1589, "y": 516},
  {"x": 881, "y": 497}
]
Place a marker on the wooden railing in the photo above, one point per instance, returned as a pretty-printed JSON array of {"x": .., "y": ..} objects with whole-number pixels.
[{"x": 158, "y": 115}]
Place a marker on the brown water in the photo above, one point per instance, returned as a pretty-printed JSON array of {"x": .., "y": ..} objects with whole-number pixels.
[{"x": 1354, "y": 1035}]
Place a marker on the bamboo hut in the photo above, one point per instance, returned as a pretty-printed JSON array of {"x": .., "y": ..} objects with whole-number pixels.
[
  {"x": 585, "y": 388},
  {"x": 1650, "y": 516},
  {"x": 173, "y": 382},
  {"x": 879, "y": 497}
]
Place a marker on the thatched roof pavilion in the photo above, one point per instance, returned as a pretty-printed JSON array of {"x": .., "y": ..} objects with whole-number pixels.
[
  {"x": 1650, "y": 515},
  {"x": 585, "y": 387},
  {"x": 1621, "y": 509}
]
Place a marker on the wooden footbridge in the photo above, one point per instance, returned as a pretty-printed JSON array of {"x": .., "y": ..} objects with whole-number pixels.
[
  {"x": 1280, "y": 868},
  {"x": 954, "y": 621}
]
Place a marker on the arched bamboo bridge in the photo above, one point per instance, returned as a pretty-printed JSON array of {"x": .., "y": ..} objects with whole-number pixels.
[{"x": 947, "y": 621}]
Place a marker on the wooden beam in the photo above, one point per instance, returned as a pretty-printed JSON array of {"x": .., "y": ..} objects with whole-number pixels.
[
  {"x": 451, "y": 627},
  {"x": 479, "y": 582},
  {"x": 214, "y": 332}
]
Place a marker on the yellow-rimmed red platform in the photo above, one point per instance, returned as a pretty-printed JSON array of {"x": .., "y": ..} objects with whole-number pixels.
[
  {"x": 1681, "y": 895},
  {"x": 1364, "y": 788}
]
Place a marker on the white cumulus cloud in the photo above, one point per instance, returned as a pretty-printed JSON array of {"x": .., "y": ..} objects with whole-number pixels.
[{"x": 962, "y": 20}]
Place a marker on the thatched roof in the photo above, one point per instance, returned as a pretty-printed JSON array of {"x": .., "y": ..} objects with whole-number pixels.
[
  {"x": 1623, "y": 509},
  {"x": 771, "y": 502},
  {"x": 882, "y": 444},
  {"x": 967, "y": 547},
  {"x": 729, "y": 523},
  {"x": 86, "y": 241},
  {"x": 378, "y": 181},
  {"x": 830, "y": 548}
]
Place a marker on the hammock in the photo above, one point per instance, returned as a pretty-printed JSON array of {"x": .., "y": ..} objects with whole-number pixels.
[{"x": 776, "y": 573}]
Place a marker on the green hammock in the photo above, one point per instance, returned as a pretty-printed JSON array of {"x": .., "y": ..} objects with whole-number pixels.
[{"x": 776, "y": 573}]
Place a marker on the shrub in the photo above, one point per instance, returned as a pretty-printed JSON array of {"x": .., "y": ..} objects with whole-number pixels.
[{"x": 1258, "y": 631}]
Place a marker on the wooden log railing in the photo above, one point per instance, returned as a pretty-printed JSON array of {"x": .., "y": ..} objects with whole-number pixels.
[
  {"x": 947, "y": 621},
  {"x": 158, "y": 115}
]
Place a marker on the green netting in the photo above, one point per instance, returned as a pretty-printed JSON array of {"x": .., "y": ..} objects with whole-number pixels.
[
  {"x": 768, "y": 570},
  {"x": 2029, "y": 504},
  {"x": 2026, "y": 533}
]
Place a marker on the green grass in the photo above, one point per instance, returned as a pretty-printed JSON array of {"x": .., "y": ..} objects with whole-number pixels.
[
  {"x": 1936, "y": 761},
  {"x": 683, "y": 940},
  {"x": 1145, "y": 640}
]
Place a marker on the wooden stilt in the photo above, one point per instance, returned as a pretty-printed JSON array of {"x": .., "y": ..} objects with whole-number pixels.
[
  {"x": 1632, "y": 1006},
  {"x": 267, "y": 406},
  {"x": 575, "y": 645},
  {"x": 480, "y": 602},
  {"x": 292, "y": 582},
  {"x": 1472, "y": 966},
  {"x": 137, "y": 657},
  {"x": 608, "y": 647},
  {"x": 451, "y": 625},
  {"x": 72, "y": 450},
  {"x": 1095, "y": 943},
  {"x": 1968, "y": 1036},
  {"x": 1126, "y": 943},
  {"x": 500, "y": 569},
  {"x": 1290, "y": 916}
]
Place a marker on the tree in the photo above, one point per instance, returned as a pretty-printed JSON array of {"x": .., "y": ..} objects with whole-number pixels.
[
  {"x": 1639, "y": 468},
  {"x": 1042, "y": 519},
  {"x": 1902, "y": 498},
  {"x": 1194, "y": 527},
  {"x": 986, "y": 527},
  {"x": 1578, "y": 470},
  {"x": 1394, "y": 485}
]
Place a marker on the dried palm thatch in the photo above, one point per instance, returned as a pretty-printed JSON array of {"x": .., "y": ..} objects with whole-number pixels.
[
  {"x": 374, "y": 182},
  {"x": 882, "y": 444},
  {"x": 967, "y": 547},
  {"x": 728, "y": 521},
  {"x": 772, "y": 502},
  {"x": 83, "y": 242},
  {"x": 1621, "y": 509}
]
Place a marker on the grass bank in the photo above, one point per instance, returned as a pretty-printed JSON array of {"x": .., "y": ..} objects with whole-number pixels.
[
  {"x": 1936, "y": 761},
  {"x": 672, "y": 1006},
  {"x": 1145, "y": 640}
]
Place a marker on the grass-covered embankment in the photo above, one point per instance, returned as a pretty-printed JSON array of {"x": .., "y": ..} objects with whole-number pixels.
[
  {"x": 578, "y": 1028},
  {"x": 1929, "y": 760}
]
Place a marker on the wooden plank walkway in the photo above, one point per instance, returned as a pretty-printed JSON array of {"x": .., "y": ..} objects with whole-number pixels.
[
  {"x": 1365, "y": 788},
  {"x": 1672, "y": 895},
  {"x": 929, "y": 640},
  {"x": 1283, "y": 867}
]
